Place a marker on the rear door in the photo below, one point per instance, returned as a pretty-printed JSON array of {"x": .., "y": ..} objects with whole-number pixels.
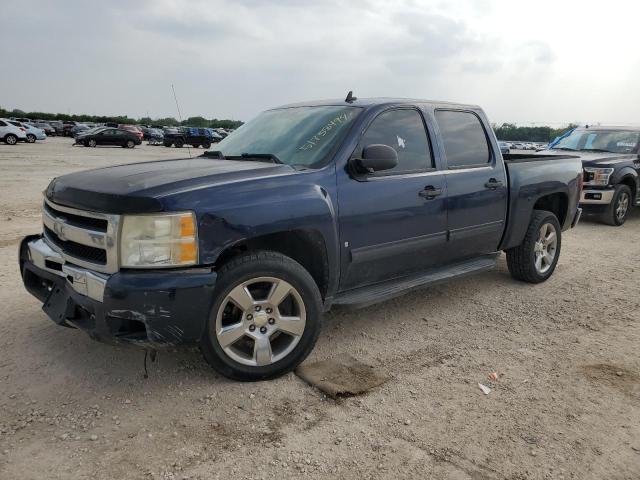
[
  {"x": 476, "y": 184},
  {"x": 389, "y": 223}
]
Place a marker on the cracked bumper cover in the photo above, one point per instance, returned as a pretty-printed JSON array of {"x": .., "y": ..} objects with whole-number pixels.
[{"x": 159, "y": 308}]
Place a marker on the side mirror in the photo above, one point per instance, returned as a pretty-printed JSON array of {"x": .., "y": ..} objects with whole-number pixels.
[{"x": 377, "y": 157}]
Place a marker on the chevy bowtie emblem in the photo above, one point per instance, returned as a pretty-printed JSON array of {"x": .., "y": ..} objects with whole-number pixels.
[{"x": 58, "y": 228}]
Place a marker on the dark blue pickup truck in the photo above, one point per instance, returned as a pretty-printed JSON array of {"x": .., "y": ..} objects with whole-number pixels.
[{"x": 241, "y": 250}]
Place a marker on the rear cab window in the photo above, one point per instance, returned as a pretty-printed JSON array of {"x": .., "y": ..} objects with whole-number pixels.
[
  {"x": 464, "y": 138},
  {"x": 404, "y": 131}
]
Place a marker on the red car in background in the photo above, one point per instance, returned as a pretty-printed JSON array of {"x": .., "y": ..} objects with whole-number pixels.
[{"x": 133, "y": 129}]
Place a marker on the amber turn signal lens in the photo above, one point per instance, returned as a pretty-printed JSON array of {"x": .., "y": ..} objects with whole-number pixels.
[{"x": 187, "y": 228}]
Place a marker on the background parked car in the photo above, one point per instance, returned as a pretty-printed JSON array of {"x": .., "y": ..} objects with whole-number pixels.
[
  {"x": 108, "y": 136},
  {"x": 67, "y": 125},
  {"x": 133, "y": 129},
  {"x": 10, "y": 134},
  {"x": 48, "y": 129},
  {"x": 154, "y": 136},
  {"x": 32, "y": 133},
  {"x": 504, "y": 147},
  {"x": 79, "y": 128},
  {"x": 58, "y": 126}
]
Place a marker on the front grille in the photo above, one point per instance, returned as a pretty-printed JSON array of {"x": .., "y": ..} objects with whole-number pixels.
[
  {"x": 90, "y": 223},
  {"x": 77, "y": 250}
]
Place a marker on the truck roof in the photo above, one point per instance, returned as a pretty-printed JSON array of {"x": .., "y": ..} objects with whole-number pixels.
[{"x": 375, "y": 101}]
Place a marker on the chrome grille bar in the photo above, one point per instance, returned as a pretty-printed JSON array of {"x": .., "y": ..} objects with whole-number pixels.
[{"x": 66, "y": 230}]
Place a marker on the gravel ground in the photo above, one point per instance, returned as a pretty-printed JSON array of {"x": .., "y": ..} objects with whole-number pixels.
[{"x": 566, "y": 403}]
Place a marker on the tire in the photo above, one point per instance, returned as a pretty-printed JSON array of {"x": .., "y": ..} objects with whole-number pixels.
[
  {"x": 31, "y": 138},
  {"x": 534, "y": 261},
  {"x": 91, "y": 143},
  {"x": 195, "y": 145},
  {"x": 618, "y": 210},
  {"x": 10, "y": 139},
  {"x": 179, "y": 143},
  {"x": 167, "y": 144},
  {"x": 130, "y": 144},
  {"x": 266, "y": 270},
  {"x": 206, "y": 145}
]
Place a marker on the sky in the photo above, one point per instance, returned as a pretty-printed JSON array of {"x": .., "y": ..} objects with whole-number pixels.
[{"x": 548, "y": 62}]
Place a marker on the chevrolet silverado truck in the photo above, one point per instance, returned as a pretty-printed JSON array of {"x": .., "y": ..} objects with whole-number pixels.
[
  {"x": 308, "y": 206},
  {"x": 611, "y": 161}
]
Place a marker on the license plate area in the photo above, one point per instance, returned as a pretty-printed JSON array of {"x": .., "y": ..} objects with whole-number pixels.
[{"x": 58, "y": 306}]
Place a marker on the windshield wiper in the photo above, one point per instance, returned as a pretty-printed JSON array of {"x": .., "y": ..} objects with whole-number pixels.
[{"x": 261, "y": 157}]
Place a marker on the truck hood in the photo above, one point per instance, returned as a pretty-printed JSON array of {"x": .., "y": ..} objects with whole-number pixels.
[
  {"x": 139, "y": 187},
  {"x": 596, "y": 159}
]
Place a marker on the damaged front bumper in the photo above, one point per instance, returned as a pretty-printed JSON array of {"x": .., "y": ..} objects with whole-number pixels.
[{"x": 153, "y": 309}]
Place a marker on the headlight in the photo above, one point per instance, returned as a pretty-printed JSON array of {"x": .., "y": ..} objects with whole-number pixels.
[
  {"x": 163, "y": 240},
  {"x": 599, "y": 176}
]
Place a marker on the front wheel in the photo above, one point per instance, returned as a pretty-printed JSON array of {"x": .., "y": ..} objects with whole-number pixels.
[
  {"x": 206, "y": 145},
  {"x": 265, "y": 319},
  {"x": 618, "y": 209},
  {"x": 535, "y": 259},
  {"x": 130, "y": 144}
]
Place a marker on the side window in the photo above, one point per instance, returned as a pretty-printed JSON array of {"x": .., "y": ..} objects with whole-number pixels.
[
  {"x": 404, "y": 131},
  {"x": 465, "y": 143},
  {"x": 2, "y": 124}
]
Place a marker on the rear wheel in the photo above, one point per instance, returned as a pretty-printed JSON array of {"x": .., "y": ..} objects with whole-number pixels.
[
  {"x": 130, "y": 144},
  {"x": 535, "y": 259},
  {"x": 265, "y": 319},
  {"x": 618, "y": 209},
  {"x": 10, "y": 139},
  {"x": 195, "y": 145},
  {"x": 167, "y": 144},
  {"x": 31, "y": 138},
  {"x": 206, "y": 145},
  {"x": 91, "y": 143},
  {"x": 179, "y": 143}
]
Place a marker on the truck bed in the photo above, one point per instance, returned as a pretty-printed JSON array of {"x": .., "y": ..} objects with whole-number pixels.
[{"x": 533, "y": 176}]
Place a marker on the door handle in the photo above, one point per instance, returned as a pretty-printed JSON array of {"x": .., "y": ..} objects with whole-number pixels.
[
  {"x": 492, "y": 184},
  {"x": 430, "y": 192}
]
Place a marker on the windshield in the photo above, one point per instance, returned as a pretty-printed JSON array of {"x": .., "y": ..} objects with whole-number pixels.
[
  {"x": 301, "y": 136},
  {"x": 614, "y": 141}
]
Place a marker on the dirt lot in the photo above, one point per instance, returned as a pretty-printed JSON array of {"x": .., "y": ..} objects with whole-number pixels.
[{"x": 566, "y": 405}]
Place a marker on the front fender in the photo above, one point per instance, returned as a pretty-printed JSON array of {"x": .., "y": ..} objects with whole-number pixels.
[
  {"x": 618, "y": 175},
  {"x": 235, "y": 212}
]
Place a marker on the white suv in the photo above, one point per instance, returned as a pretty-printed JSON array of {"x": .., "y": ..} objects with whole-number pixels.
[{"x": 11, "y": 134}]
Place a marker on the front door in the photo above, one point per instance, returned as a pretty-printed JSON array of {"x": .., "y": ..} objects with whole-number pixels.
[
  {"x": 476, "y": 185},
  {"x": 392, "y": 222}
]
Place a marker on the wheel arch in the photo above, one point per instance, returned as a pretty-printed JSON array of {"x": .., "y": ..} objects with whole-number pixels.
[
  {"x": 632, "y": 182},
  {"x": 305, "y": 246},
  {"x": 556, "y": 203}
]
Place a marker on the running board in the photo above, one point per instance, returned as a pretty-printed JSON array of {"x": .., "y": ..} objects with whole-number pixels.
[{"x": 379, "y": 292}]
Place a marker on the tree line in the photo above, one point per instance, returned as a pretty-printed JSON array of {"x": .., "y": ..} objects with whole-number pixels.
[
  {"x": 199, "y": 122},
  {"x": 505, "y": 131},
  {"x": 511, "y": 132}
]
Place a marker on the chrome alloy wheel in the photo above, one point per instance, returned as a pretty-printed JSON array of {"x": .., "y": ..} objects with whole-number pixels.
[
  {"x": 622, "y": 206},
  {"x": 545, "y": 248},
  {"x": 260, "y": 321}
]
